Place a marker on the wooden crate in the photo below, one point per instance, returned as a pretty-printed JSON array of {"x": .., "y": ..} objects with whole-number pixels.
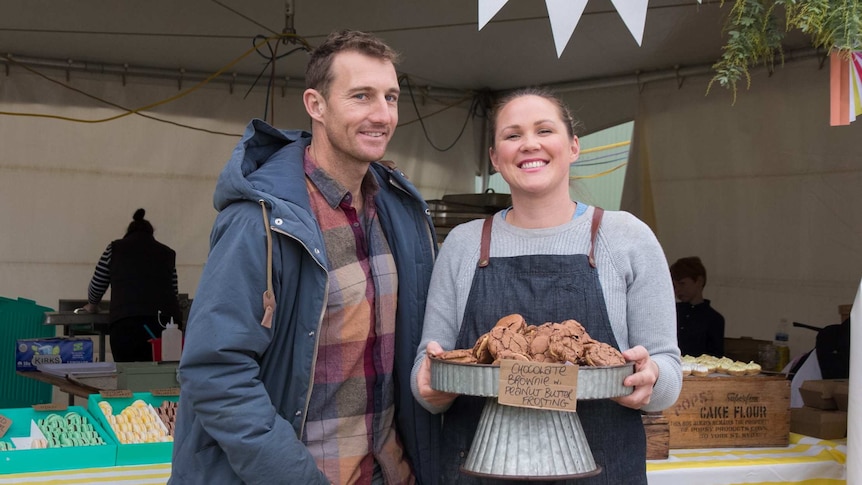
[
  {"x": 657, "y": 436},
  {"x": 721, "y": 411},
  {"x": 744, "y": 349}
]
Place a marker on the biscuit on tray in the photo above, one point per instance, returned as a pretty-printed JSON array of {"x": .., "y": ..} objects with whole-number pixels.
[{"x": 563, "y": 342}]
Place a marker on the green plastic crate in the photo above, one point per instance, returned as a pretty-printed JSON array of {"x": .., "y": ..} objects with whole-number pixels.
[
  {"x": 21, "y": 319},
  {"x": 136, "y": 453},
  {"x": 146, "y": 376},
  {"x": 48, "y": 459}
]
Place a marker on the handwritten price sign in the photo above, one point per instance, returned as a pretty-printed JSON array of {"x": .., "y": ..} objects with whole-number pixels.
[{"x": 538, "y": 385}]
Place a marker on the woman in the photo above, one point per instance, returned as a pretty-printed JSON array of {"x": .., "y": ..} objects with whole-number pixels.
[
  {"x": 548, "y": 264},
  {"x": 142, "y": 274}
]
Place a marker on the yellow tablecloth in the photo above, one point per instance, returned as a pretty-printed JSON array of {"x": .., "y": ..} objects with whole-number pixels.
[
  {"x": 807, "y": 461},
  {"x": 121, "y": 475}
]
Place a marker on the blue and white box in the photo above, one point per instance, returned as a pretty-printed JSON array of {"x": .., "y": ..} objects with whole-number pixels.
[{"x": 30, "y": 353}]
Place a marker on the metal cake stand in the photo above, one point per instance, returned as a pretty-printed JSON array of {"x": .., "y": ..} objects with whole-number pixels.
[{"x": 518, "y": 443}]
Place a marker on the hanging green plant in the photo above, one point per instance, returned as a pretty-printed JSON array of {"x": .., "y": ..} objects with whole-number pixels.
[{"x": 754, "y": 35}]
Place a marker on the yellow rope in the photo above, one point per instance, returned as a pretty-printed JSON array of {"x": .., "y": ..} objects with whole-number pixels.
[
  {"x": 598, "y": 149},
  {"x": 605, "y": 147},
  {"x": 597, "y": 175}
]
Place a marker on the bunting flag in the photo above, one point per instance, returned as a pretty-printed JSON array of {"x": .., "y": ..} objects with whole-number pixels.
[
  {"x": 633, "y": 13},
  {"x": 565, "y": 14},
  {"x": 487, "y": 10},
  {"x": 845, "y": 88}
]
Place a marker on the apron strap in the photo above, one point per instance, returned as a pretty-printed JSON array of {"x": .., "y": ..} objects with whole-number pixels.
[
  {"x": 598, "y": 212},
  {"x": 485, "y": 247}
]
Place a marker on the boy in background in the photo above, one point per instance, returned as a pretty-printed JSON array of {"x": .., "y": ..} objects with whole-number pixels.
[{"x": 700, "y": 329}]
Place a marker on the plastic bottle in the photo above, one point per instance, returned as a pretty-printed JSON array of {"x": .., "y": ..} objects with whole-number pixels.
[
  {"x": 172, "y": 342},
  {"x": 782, "y": 345}
]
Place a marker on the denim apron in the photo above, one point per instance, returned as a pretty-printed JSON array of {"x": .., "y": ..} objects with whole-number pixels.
[{"x": 545, "y": 288}]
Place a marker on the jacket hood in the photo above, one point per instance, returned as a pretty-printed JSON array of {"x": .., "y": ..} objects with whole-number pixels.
[{"x": 262, "y": 166}]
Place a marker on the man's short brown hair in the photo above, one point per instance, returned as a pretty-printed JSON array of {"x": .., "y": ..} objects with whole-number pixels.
[
  {"x": 690, "y": 267},
  {"x": 318, "y": 72}
]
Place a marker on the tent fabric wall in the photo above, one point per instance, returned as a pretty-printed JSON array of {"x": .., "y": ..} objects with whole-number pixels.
[
  {"x": 637, "y": 195},
  {"x": 598, "y": 108},
  {"x": 68, "y": 188},
  {"x": 763, "y": 190}
]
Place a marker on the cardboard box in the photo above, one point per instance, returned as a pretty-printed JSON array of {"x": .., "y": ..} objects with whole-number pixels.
[
  {"x": 48, "y": 459},
  {"x": 820, "y": 393},
  {"x": 135, "y": 453},
  {"x": 819, "y": 423},
  {"x": 29, "y": 353},
  {"x": 721, "y": 411},
  {"x": 841, "y": 392}
]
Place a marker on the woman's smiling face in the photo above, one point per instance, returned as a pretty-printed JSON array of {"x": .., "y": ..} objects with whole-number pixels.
[{"x": 532, "y": 146}]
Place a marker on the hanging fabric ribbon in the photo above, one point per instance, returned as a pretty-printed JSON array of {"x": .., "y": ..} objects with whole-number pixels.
[{"x": 845, "y": 87}]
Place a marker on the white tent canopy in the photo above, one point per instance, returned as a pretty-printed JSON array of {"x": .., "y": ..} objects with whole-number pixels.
[{"x": 763, "y": 189}]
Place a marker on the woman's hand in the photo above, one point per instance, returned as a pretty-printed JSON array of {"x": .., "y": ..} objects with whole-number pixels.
[
  {"x": 643, "y": 379},
  {"x": 423, "y": 380}
]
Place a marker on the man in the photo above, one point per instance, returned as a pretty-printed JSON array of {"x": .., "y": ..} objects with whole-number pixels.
[
  {"x": 700, "y": 329},
  {"x": 313, "y": 387}
]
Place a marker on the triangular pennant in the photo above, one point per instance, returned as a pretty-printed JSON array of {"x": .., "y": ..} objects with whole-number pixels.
[
  {"x": 564, "y": 15},
  {"x": 633, "y": 13},
  {"x": 487, "y": 10}
]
